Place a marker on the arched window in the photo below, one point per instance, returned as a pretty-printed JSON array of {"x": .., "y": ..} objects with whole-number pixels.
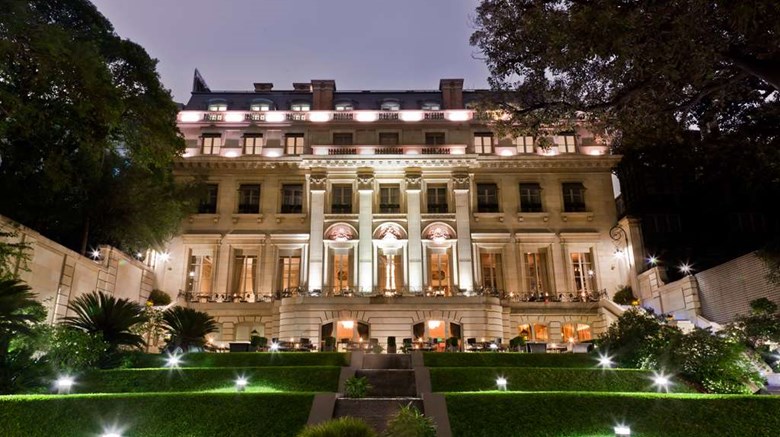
[
  {"x": 345, "y": 106},
  {"x": 300, "y": 106},
  {"x": 572, "y": 332},
  {"x": 431, "y": 106},
  {"x": 390, "y": 105},
  {"x": 261, "y": 105},
  {"x": 216, "y": 105}
]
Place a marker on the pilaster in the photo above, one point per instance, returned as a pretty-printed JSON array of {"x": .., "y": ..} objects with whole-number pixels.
[
  {"x": 461, "y": 185},
  {"x": 365, "y": 178},
  {"x": 317, "y": 210},
  {"x": 414, "y": 222}
]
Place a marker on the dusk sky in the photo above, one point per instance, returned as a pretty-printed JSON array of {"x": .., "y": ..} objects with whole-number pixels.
[{"x": 362, "y": 44}]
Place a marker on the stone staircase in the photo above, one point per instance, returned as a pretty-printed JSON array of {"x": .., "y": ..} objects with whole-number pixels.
[{"x": 393, "y": 385}]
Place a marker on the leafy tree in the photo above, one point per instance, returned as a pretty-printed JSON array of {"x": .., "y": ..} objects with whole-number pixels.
[
  {"x": 188, "y": 328},
  {"x": 112, "y": 318},
  {"x": 624, "y": 296},
  {"x": 760, "y": 326},
  {"x": 19, "y": 312},
  {"x": 13, "y": 255},
  {"x": 630, "y": 338},
  {"x": 87, "y": 131}
]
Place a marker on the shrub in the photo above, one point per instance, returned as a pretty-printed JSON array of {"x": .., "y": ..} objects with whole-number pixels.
[
  {"x": 517, "y": 342},
  {"x": 258, "y": 342},
  {"x": 341, "y": 427},
  {"x": 188, "y": 328},
  {"x": 159, "y": 298},
  {"x": 409, "y": 422},
  {"x": 241, "y": 359},
  {"x": 509, "y": 359},
  {"x": 761, "y": 326},
  {"x": 112, "y": 318},
  {"x": 624, "y": 296},
  {"x": 356, "y": 387},
  {"x": 630, "y": 337},
  {"x": 72, "y": 350}
]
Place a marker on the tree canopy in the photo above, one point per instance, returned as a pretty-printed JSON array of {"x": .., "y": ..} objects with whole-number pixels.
[{"x": 87, "y": 131}]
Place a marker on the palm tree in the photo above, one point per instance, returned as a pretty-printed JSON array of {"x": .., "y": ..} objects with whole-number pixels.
[
  {"x": 17, "y": 308},
  {"x": 188, "y": 328},
  {"x": 111, "y": 317}
]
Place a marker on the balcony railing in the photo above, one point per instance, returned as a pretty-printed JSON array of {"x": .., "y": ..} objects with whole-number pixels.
[
  {"x": 363, "y": 116},
  {"x": 373, "y": 149}
]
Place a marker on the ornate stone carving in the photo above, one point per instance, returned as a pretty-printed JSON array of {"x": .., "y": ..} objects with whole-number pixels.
[
  {"x": 390, "y": 232},
  {"x": 438, "y": 233},
  {"x": 317, "y": 181},
  {"x": 460, "y": 181},
  {"x": 413, "y": 180},
  {"x": 365, "y": 179},
  {"x": 340, "y": 233}
]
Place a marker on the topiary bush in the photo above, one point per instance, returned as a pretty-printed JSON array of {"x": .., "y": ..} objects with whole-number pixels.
[
  {"x": 410, "y": 422},
  {"x": 341, "y": 427},
  {"x": 624, "y": 296},
  {"x": 159, "y": 298},
  {"x": 517, "y": 343}
]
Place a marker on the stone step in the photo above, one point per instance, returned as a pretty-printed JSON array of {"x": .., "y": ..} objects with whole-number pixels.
[
  {"x": 389, "y": 383},
  {"x": 387, "y": 361},
  {"x": 376, "y": 412}
]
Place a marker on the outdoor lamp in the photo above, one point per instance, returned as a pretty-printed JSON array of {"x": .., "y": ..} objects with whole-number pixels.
[
  {"x": 662, "y": 381},
  {"x": 241, "y": 384},
  {"x": 173, "y": 361},
  {"x": 274, "y": 347},
  {"x": 621, "y": 430},
  {"x": 501, "y": 383},
  {"x": 605, "y": 361},
  {"x": 64, "y": 384}
]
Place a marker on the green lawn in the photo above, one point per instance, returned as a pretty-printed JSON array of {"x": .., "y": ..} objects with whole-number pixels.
[
  {"x": 459, "y": 379},
  {"x": 566, "y": 414},
  {"x": 244, "y": 359},
  {"x": 509, "y": 359},
  {"x": 155, "y": 415},
  {"x": 302, "y": 378}
]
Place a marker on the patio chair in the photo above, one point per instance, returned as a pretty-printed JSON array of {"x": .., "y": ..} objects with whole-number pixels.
[
  {"x": 537, "y": 348},
  {"x": 407, "y": 345},
  {"x": 472, "y": 345}
]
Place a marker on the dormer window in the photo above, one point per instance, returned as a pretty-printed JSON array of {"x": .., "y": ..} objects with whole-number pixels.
[
  {"x": 300, "y": 106},
  {"x": 261, "y": 105},
  {"x": 390, "y": 105},
  {"x": 217, "y": 105},
  {"x": 345, "y": 106},
  {"x": 431, "y": 106}
]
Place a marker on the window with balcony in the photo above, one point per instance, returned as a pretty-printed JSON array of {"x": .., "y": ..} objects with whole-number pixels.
[
  {"x": 200, "y": 269},
  {"x": 431, "y": 106},
  {"x": 582, "y": 271},
  {"x": 434, "y": 138},
  {"x": 437, "y": 199},
  {"x": 293, "y": 144},
  {"x": 341, "y": 199},
  {"x": 565, "y": 143},
  {"x": 487, "y": 198},
  {"x": 340, "y": 273},
  {"x": 389, "y": 199},
  {"x": 344, "y": 106},
  {"x": 211, "y": 144},
  {"x": 292, "y": 198},
  {"x": 249, "y": 199},
  {"x": 289, "y": 271},
  {"x": 483, "y": 143},
  {"x": 244, "y": 273},
  {"x": 388, "y": 138},
  {"x": 492, "y": 272},
  {"x": 342, "y": 139},
  {"x": 217, "y": 105},
  {"x": 208, "y": 204},
  {"x": 525, "y": 145},
  {"x": 536, "y": 272},
  {"x": 390, "y": 105},
  {"x": 253, "y": 144},
  {"x": 573, "y": 197},
  {"x": 300, "y": 106},
  {"x": 530, "y": 197}
]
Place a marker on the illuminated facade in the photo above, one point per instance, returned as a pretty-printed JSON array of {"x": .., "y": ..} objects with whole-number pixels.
[{"x": 369, "y": 214}]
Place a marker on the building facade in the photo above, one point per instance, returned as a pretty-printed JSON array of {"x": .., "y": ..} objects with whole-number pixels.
[{"x": 369, "y": 214}]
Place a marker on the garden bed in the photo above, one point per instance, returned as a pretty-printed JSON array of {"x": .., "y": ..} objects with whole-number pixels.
[{"x": 508, "y": 359}]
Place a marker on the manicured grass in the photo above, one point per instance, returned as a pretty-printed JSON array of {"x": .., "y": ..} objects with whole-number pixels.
[
  {"x": 503, "y": 414},
  {"x": 459, "y": 379},
  {"x": 154, "y": 415},
  {"x": 305, "y": 379},
  {"x": 508, "y": 359},
  {"x": 245, "y": 359}
]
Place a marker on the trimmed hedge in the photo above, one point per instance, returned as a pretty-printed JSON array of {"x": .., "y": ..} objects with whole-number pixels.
[
  {"x": 304, "y": 379},
  {"x": 595, "y": 414},
  {"x": 508, "y": 359},
  {"x": 242, "y": 359},
  {"x": 153, "y": 415},
  {"x": 452, "y": 379}
]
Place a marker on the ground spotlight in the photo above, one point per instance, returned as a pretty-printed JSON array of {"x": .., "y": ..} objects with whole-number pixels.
[
  {"x": 662, "y": 381},
  {"x": 605, "y": 361},
  {"x": 64, "y": 384},
  {"x": 621, "y": 430},
  {"x": 173, "y": 361},
  {"x": 501, "y": 383},
  {"x": 241, "y": 384},
  {"x": 274, "y": 347}
]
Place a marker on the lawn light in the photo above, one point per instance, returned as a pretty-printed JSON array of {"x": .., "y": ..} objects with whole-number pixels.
[
  {"x": 622, "y": 430},
  {"x": 662, "y": 381},
  {"x": 605, "y": 361},
  {"x": 274, "y": 347},
  {"x": 173, "y": 361},
  {"x": 241, "y": 384},
  {"x": 493, "y": 347},
  {"x": 64, "y": 384},
  {"x": 111, "y": 432},
  {"x": 501, "y": 383}
]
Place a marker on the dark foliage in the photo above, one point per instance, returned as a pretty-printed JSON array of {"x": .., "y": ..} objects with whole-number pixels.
[
  {"x": 113, "y": 318},
  {"x": 188, "y": 328}
]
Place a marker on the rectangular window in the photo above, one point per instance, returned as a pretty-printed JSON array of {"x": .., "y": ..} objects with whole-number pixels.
[
  {"x": 530, "y": 198},
  {"x": 483, "y": 143},
  {"x": 289, "y": 272},
  {"x": 437, "y": 199},
  {"x": 244, "y": 273},
  {"x": 292, "y": 199},
  {"x": 525, "y": 144},
  {"x": 434, "y": 138},
  {"x": 340, "y": 273},
  {"x": 565, "y": 143},
  {"x": 389, "y": 199},
  {"x": 536, "y": 272},
  {"x": 341, "y": 199},
  {"x": 492, "y": 274},
  {"x": 388, "y": 138},
  {"x": 212, "y": 144},
  {"x": 199, "y": 274},
  {"x": 342, "y": 139},
  {"x": 487, "y": 198},
  {"x": 582, "y": 269},
  {"x": 573, "y": 197},
  {"x": 293, "y": 144},
  {"x": 391, "y": 275},
  {"x": 253, "y": 144},
  {"x": 439, "y": 272},
  {"x": 208, "y": 204},
  {"x": 249, "y": 199}
]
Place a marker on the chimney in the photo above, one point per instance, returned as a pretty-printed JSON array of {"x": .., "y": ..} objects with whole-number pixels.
[
  {"x": 322, "y": 94},
  {"x": 301, "y": 86},
  {"x": 263, "y": 86},
  {"x": 451, "y": 93}
]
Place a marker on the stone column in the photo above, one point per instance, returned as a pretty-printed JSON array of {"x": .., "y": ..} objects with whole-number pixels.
[
  {"x": 414, "y": 224},
  {"x": 461, "y": 184},
  {"x": 317, "y": 212},
  {"x": 511, "y": 266},
  {"x": 365, "y": 178},
  {"x": 222, "y": 264}
]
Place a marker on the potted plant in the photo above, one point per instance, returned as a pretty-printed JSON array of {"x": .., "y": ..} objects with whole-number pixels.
[
  {"x": 390, "y": 345},
  {"x": 517, "y": 344},
  {"x": 330, "y": 344}
]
